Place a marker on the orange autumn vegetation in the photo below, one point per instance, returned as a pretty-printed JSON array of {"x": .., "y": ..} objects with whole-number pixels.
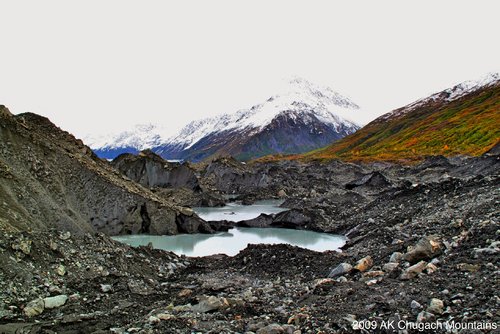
[{"x": 468, "y": 125}]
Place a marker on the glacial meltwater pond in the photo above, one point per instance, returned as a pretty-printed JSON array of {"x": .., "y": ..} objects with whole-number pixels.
[
  {"x": 236, "y": 239},
  {"x": 236, "y": 212}
]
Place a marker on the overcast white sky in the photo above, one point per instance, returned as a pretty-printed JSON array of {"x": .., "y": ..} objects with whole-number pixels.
[{"x": 93, "y": 66}]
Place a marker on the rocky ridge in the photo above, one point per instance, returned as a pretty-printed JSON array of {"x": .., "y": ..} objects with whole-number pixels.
[{"x": 51, "y": 179}]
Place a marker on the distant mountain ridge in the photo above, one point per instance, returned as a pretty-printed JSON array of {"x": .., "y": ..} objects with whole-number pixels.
[
  {"x": 463, "y": 119},
  {"x": 140, "y": 137},
  {"x": 301, "y": 118}
]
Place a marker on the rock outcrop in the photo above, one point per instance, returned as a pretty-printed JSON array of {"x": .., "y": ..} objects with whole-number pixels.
[{"x": 151, "y": 170}]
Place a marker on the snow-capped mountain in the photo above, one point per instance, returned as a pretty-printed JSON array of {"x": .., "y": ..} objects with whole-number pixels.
[
  {"x": 302, "y": 117},
  {"x": 140, "y": 137},
  {"x": 446, "y": 95}
]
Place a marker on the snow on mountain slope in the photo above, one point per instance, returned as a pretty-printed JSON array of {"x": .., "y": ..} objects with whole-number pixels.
[
  {"x": 142, "y": 136},
  {"x": 446, "y": 95},
  {"x": 308, "y": 106},
  {"x": 300, "y": 95}
]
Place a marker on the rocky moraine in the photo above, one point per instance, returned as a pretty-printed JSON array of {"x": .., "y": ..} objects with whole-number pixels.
[{"x": 423, "y": 242}]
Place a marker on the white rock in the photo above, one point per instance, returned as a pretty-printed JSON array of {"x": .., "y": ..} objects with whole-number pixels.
[
  {"x": 106, "y": 288},
  {"x": 391, "y": 266},
  {"x": 415, "y": 305},
  {"x": 56, "y": 301},
  {"x": 436, "y": 306},
  {"x": 396, "y": 257},
  {"x": 61, "y": 270},
  {"x": 153, "y": 320},
  {"x": 65, "y": 235}
]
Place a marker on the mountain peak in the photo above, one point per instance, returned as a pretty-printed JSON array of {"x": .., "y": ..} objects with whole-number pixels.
[
  {"x": 299, "y": 84},
  {"x": 300, "y": 88},
  {"x": 322, "y": 114},
  {"x": 301, "y": 116},
  {"x": 299, "y": 96}
]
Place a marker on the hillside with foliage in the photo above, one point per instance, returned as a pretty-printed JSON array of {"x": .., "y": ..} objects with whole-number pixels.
[{"x": 435, "y": 126}]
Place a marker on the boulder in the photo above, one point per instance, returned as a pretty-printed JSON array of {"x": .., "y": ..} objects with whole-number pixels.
[
  {"x": 413, "y": 271},
  {"x": 436, "y": 306},
  {"x": 469, "y": 267},
  {"x": 34, "y": 308},
  {"x": 210, "y": 303},
  {"x": 292, "y": 218},
  {"x": 61, "y": 270},
  {"x": 426, "y": 249},
  {"x": 139, "y": 287},
  {"x": 482, "y": 252},
  {"x": 364, "y": 264},
  {"x": 56, "y": 301},
  {"x": 396, "y": 257},
  {"x": 106, "y": 288},
  {"x": 372, "y": 180},
  {"x": 415, "y": 305},
  {"x": 341, "y": 269},
  {"x": 374, "y": 273},
  {"x": 23, "y": 245},
  {"x": 431, "y": 268},
  {"x": 165, "y": 316},
  {"x": 64, "y": 236},
  {"x": 263, "y": 220},
  {"x": 425, "y": 317},
  {"x": 389, "y": 267},
  {"x": 271, "y": 329}
]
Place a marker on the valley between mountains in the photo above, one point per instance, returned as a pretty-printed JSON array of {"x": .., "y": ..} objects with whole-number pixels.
[{"x": 415, "y": 193}]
